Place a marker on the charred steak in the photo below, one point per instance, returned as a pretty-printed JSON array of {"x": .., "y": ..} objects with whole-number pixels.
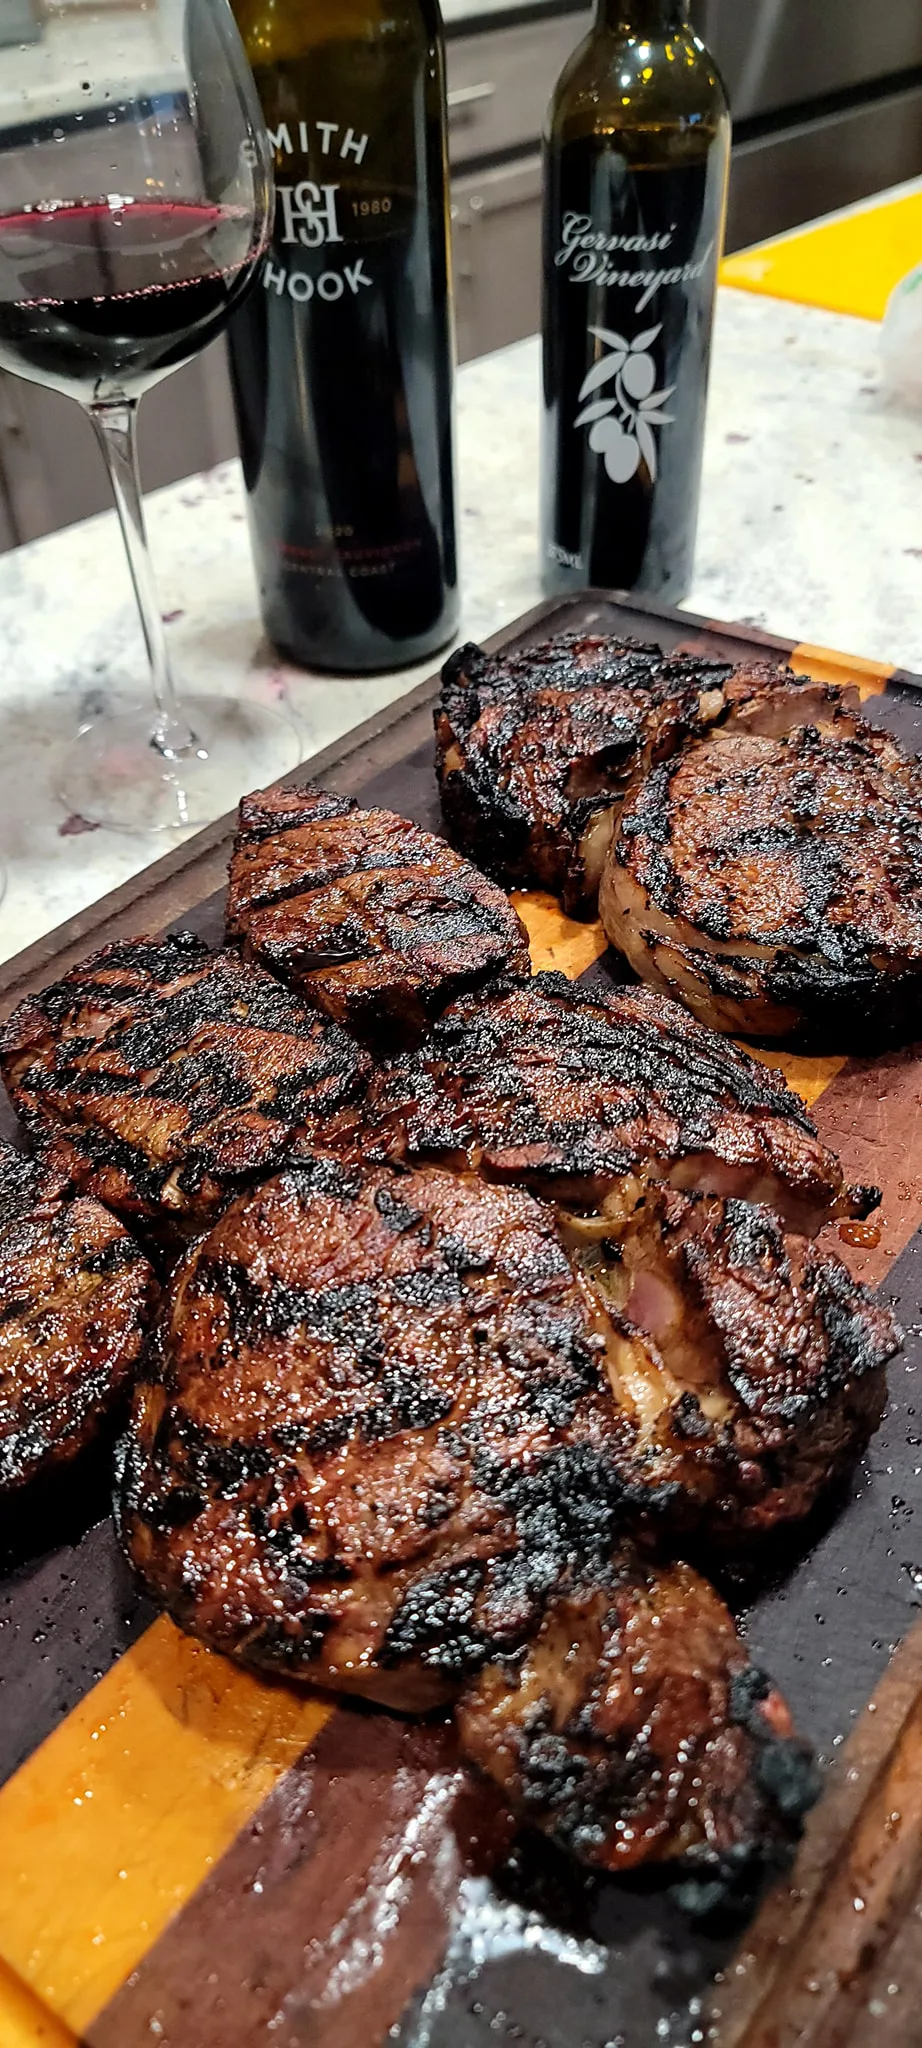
[
  {"x": 752, "y": 1369},
  {"x": 76, "y": 1297},
  {"x": 634, "y": 1730},
  {"x": 568, "y": 1090},
  {"x": 377, "y": 1427},
  {"x": 534, "y": 750},
  {"x": 771, "y": 876},
  {"x": 375, "y": 1453},
  {"x": 167, "y": 1076},
  {"x": 374, "y": 920}
]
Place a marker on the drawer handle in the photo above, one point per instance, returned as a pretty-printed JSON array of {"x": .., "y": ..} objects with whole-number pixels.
[{"x": 465, "y": 96}]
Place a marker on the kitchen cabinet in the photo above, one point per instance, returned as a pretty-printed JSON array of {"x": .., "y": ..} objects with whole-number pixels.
[
  {"x": 817, "y": 166},
  {"x": 496, "y": 241},
  {"x": 500, "y": 82},
  {"x": 787, "y": 54},
  {"x": 52, "y": 472}
]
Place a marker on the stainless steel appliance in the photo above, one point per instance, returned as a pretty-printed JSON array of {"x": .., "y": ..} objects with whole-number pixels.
[{"x": 827, "y": 103}]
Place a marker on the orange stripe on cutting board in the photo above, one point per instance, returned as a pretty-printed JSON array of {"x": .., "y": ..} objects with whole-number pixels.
[
  {"x": 825, "y": 666},
  {"x": 111, "y": 1825},
  {"x": 24, "y": 2021},
  {"x": 555, "y": 941}
]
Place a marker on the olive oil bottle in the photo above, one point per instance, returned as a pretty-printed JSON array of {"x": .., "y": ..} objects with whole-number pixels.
[
  {"x": 636, "y": 166},
  {"x": 342, "y": 359}
]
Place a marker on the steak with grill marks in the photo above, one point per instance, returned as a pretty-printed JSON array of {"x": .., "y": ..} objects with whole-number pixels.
[
  {"x": 377, "y": 1428},
  {"x": 771, "y": 876},
  {"x": 752, "y": 1369},
  {"x": 166, "y": 1076},
  {"x": 635, "y": 1731},
  {"x": 534, "y": 750},
  {"x": 76, "y": 1297},
  {"x": 375, "y": 921},
  {"x": 570, "y": 1090},
  {"x": 376, "y": 1448}
]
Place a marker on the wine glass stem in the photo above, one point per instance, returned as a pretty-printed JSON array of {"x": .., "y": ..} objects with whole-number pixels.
[{"x": 116, "y": 431}]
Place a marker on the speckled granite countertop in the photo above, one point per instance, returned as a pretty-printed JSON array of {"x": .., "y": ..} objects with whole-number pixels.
[{"x": 811, "y": 526}]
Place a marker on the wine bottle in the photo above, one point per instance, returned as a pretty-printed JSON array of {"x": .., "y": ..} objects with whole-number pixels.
[
  {"x": 637, "y": 155},
  {"x": 342, "y": 359}
]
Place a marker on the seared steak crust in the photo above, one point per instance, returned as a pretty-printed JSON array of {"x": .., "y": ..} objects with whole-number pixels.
[
  {"x": 634, "y": 1730},
  {"x": 376, "y": 1450},
  {"x": 375, "y": 921},
  {"x": 166, "y": 1076},
  {"x": 752, "y": 1368},
  {"x": 377, "y": 1433},
  {"x": 773, "y": 880},
  {"x": 568, "y": 1090},
  {"x": 534, "y": 750},
  {"x": 76, "y": 1297},
  {"x": 772, "y": 701}
]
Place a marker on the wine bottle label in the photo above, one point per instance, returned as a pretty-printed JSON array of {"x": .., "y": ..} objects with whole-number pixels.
[
  {"x": 314, "y": 213},
  {"x": 341, "y": 361},
  {"x": 630, "y": 274},
  {"x": 590, "y": 256},
  {"x": 343, "y": 220}
]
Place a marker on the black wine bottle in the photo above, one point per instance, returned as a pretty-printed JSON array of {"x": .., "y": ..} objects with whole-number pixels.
[
  {"x": 636, "y": 165},
  {"x": 342, "y": 359}
]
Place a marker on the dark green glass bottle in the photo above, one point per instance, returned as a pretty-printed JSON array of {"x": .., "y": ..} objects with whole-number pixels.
[
  {"x": 636, "y": 167},
  {"x": 342, "y": 359}
]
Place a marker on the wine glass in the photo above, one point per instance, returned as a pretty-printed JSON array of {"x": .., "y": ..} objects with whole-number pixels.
[{"x": 135, "y": 206}]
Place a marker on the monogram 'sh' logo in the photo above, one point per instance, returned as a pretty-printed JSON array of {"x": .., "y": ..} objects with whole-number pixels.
[{"x": 309, "y": 213}]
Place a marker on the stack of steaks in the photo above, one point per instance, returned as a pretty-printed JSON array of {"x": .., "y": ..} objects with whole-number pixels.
[
  {"x": 753, "y": 845},
  {"x": 489, "y": 1309}
]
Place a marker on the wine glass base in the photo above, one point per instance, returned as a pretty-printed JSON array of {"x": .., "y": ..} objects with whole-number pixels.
[{"x": 115, "y": 775}]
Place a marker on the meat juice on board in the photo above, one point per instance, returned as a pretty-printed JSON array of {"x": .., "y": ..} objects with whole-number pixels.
[
  {"x": 343, "y": 360},
  {"x": 636, "y": 164}
]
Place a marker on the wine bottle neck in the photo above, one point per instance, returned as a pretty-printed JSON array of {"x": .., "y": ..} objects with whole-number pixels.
[{"x": 642, "y": 17}]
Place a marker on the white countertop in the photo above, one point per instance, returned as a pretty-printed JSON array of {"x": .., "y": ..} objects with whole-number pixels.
[
  {"x": 457, "y": 12},
  {"x": 811, "y": 526}
]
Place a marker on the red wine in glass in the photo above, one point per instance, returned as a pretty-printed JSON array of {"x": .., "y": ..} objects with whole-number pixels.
[
  {"x": 135, "y": 208},
  {"x": 101, "y": 297}
]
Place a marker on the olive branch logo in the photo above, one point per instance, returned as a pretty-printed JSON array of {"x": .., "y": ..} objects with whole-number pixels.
[{"x": 621, "y": 426}]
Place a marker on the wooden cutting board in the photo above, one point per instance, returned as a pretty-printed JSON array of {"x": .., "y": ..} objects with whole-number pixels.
[{"x": 194, "y": 1858}]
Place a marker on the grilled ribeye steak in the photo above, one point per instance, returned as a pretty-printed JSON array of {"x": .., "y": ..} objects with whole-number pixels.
[
  {"x": 534, "y": 750},
  {"x": 379, "y": 1428},
  {"x": 634, "y": 1730},
  {"x": 76, "y": 1297},
  {"x": 773, "y": 878},
  {"x": 752, "y": 1369},
  {"x": 166, "y": 1076},
  {"x": 376, "y": 1450},
  {"x": 374, "y": 920},
  {"x": 568, "y": 1090},
  {"x": 771, "y": 701}
]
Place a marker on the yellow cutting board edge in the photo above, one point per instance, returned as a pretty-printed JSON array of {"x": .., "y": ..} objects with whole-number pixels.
[
  {"x": 116, "y": 1819},
  {"x": 847, "y": 265}
]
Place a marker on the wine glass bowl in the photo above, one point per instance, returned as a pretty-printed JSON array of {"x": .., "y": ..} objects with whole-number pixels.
[{"x": 135, "y": 207}]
